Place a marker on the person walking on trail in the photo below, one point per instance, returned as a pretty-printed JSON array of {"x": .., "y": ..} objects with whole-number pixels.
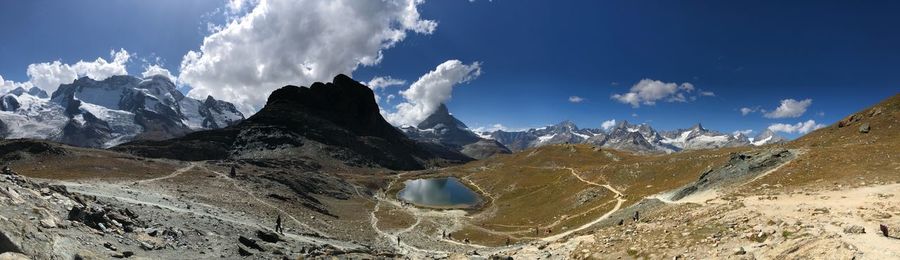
[
  {"x": 233, "y": 172},
  {"x": 278, "y": 227},
  {"x": 398, "y": 240},
  {"x": 637, "y": 216}
]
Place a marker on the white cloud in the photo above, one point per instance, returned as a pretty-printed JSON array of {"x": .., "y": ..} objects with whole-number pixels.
[
  {"x": 801, "y": 127},
  {"x": 153, "y": 70},
  {"x": 280, "y": 42},
  {"x": 606, "y": 125},
  {"x": 429, "y": 91},
  {"x": 790, "y": 108},
  {"x": 648, "y": 92},
  {"x": 744, "y": 132},
  {"x": 9, "y": 85},
  {"x": 492, "y": 128},
  {"x": 576, "y": 99},
  {"x": 707, "y": 94},
  {"x": 746, "y": 110},
  {"x": 383, "y": 82},
  {"x": 49, "y": 75}
]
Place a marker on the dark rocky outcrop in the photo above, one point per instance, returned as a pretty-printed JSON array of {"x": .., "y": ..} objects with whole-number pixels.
[{"x": 741, "y": 167}]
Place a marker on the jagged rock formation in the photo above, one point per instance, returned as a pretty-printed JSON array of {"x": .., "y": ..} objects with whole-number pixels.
[
  {"x": 104, "y": 113},
  {"x": 443, "y": 128},
  {"x": 330, "y": 121}
]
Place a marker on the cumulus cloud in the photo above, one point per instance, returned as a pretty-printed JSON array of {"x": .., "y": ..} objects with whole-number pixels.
[
  {"x": 49, "y": 75},
  {"x": 155, "y": 69},
  {"x": 383, "y": 82},
  {"x": 280, "y": 42},
  {"x": 606, "y": 125},
  {"x": 648, "y": 92},
  {"x": 800, "y": 127},
  {"x": 576, "y": 99},
  {"x": 790, "y": 108},
  {"x": 9, "y": 85},
  {"x": 428, "y": 92},
  {"x": 744, "y": 132}
]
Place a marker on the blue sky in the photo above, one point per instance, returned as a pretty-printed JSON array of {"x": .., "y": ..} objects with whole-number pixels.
[{"x": 535, "y": 55}]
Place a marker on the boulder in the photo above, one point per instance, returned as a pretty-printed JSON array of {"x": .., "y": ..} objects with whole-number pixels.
[
  {"x": 268, "y": 236},
  {"x": 249, "y": 242},
  {"x": 854, "y": 229},
  {"x": 13, "y": 256},
  {"x": 864, "y": 128},
  {"x": 243, "y": 252}
]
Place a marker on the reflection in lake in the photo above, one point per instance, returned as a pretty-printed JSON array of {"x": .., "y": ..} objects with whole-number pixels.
[{"x": 445, "y": 192}]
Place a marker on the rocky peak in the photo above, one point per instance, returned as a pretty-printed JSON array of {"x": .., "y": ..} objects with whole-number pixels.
[
  {"x": 343, "y": 102},
  {"x": 441, "y": 116},
  {"x": 34, "y": 91}
]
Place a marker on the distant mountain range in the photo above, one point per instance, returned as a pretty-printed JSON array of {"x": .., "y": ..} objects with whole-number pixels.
[
  {"x": 105, "y": 113},
  {"x": 625, "y": 136}
]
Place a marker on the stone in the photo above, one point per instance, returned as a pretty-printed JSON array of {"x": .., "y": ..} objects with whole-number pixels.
[
  {"x": 855, "y": 229},
  {"x": 85, "y": 255},
  {"x": 740, "y": 251},
  {"x": 249, "y": 242},
  {"x": 268, "y": 236},
  {"x": 48, "y": 223},
  {"x": 244, "y": 252},
  {"x": 864, "y": 128},
  {"x": 13, "y": 256}
]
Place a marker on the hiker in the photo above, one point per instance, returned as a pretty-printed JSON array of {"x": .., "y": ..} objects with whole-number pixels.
[
  {"x": 278, "y": 227},
  {"x": 466, "y": 240},
  {"x": 233, "y": 172},
  {"x": 637, "y": 216},
  {"x": 507, "y": 241},
  {"x": 443, "y": 233},
  {"x": 398, "y": 240},
  {"x": 884, "y": 230}
]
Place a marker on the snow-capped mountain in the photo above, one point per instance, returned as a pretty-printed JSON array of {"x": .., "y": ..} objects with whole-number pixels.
[
  {"x": 443, "y": 128},
  {"x": 625, "y": 136},
  {"x": 105, "y": 113},
  {"x": 563, "y": 132},
  {"x": 630, "y": 137},
  {"x": 767, "y": 137},
  {"x": 698, "y": 137}
]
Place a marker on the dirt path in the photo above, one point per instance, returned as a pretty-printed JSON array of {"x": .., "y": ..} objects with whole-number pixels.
[
  {"x": 238, "y": 187},
  {"x": 172, "y": 175}
]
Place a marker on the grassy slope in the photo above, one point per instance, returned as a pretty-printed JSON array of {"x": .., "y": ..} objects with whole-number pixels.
[
  {"x": 841, "y": 155},
  {"x": 533, "y": 188}
]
